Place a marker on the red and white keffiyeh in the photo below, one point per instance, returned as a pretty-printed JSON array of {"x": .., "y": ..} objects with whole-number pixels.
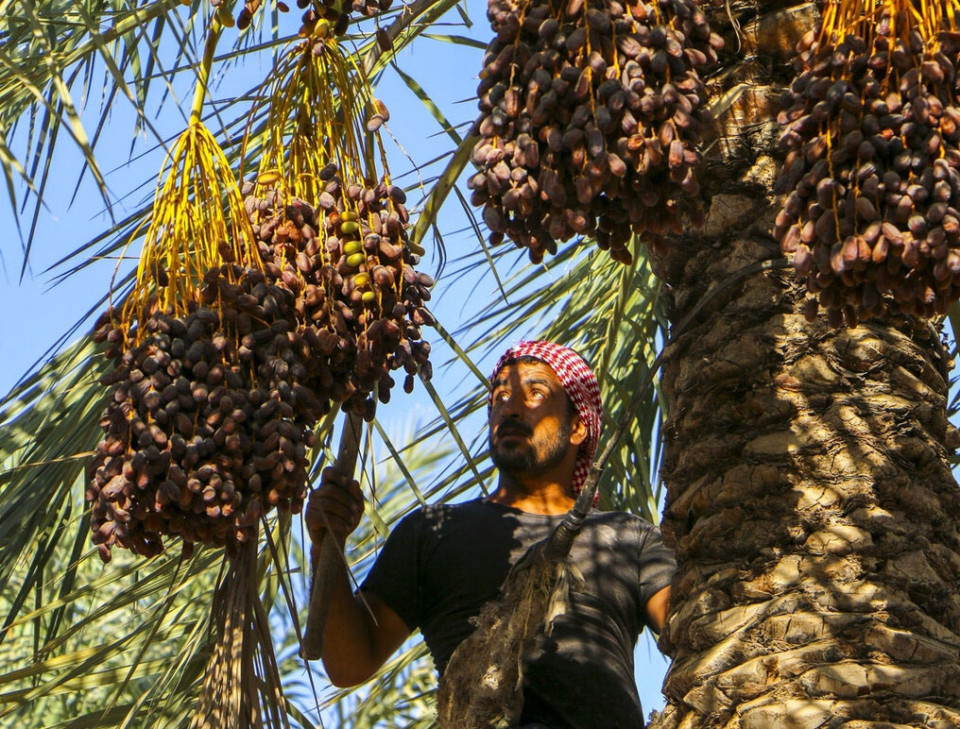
[{"x": 581, "y": 387}]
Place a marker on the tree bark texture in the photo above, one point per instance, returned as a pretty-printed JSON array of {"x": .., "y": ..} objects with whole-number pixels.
[{"x": 810, "y": 500}]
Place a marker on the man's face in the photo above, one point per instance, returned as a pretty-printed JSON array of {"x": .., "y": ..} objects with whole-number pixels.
[{"x": 530, "y": 419}]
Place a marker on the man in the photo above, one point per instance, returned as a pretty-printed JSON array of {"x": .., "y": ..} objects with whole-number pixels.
[{"x": 442, "y": 563}]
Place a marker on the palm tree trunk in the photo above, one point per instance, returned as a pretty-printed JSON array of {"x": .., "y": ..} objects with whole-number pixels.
[{"x": 810, "y": 499}]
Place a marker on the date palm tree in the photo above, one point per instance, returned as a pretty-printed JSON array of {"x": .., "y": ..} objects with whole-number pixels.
[
  {"x": 807, "y": 473},
  {"x": 809, "y": 490}
]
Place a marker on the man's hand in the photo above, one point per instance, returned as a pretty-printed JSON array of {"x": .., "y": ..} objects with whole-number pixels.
[
  {"x": 360, "y": 634},
  {"x": 336, "y": 505}
]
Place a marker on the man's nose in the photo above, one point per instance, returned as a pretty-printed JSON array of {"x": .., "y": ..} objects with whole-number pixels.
[{"x": 510, "y": 405}]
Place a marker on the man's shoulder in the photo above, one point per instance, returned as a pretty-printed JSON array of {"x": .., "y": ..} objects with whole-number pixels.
[
  {"x": 619, "y": 518},
  {"x": 622, "y": 528}
]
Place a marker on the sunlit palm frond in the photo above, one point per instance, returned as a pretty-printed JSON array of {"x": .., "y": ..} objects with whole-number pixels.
[
  {"x": 48, "y": 426},
  {"x": 133, "y": 640},
  {"x": 48, "y": 67}
]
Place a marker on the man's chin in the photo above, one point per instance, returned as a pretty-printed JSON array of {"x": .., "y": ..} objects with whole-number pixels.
[{"x": 511, "y": 461}]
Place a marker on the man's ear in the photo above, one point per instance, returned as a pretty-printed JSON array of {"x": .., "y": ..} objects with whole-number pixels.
[{"x": 578, "y": 431}]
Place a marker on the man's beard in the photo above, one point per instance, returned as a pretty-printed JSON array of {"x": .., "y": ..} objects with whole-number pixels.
[{"x": 527, "y": 459}]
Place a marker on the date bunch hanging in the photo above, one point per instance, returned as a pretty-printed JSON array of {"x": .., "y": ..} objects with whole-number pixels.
[
  {"x": 336, "y": 13},
  {"x": 591, "y": 116},
  {"x": 207, "y": 423},
  {"x": 872, "y": 173},
  {"x": 332, "y": 230}
]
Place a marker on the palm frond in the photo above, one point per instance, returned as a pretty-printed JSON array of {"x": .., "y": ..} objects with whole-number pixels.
[{"x": 50, "y": 52}]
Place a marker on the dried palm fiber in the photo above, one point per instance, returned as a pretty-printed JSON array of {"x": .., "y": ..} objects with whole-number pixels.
[
  {"x": 591, "y": 116},
  {"x": 241, "y": 685},
  {"x": 332, "y": 230},
  {"x": 872, "y": 174},
  {"x": 207, "y": 423}
]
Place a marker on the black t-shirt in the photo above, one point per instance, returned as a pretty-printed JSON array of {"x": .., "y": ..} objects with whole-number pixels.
[{"x": 442, "y": 563}]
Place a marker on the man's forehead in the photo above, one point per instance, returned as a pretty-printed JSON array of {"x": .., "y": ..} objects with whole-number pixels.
[{"x": 526, "y": 370}]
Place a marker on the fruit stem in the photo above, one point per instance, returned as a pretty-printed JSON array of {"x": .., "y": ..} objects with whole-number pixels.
[{"x": 206, "y": 64}]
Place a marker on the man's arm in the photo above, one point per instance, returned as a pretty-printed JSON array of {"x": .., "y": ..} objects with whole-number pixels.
[
  {"x": 361, "y": 631},
  {"x": 657, "y": 607}
]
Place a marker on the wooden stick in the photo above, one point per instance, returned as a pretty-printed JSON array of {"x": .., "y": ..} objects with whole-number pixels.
[{"x": 329, "y": 558}]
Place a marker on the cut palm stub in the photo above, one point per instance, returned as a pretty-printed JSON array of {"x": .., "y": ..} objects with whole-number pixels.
[
  {"x": 333, "y": 231},
  {"x": 872, "y": 174},
  {"x": 591, "y": 117}
]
